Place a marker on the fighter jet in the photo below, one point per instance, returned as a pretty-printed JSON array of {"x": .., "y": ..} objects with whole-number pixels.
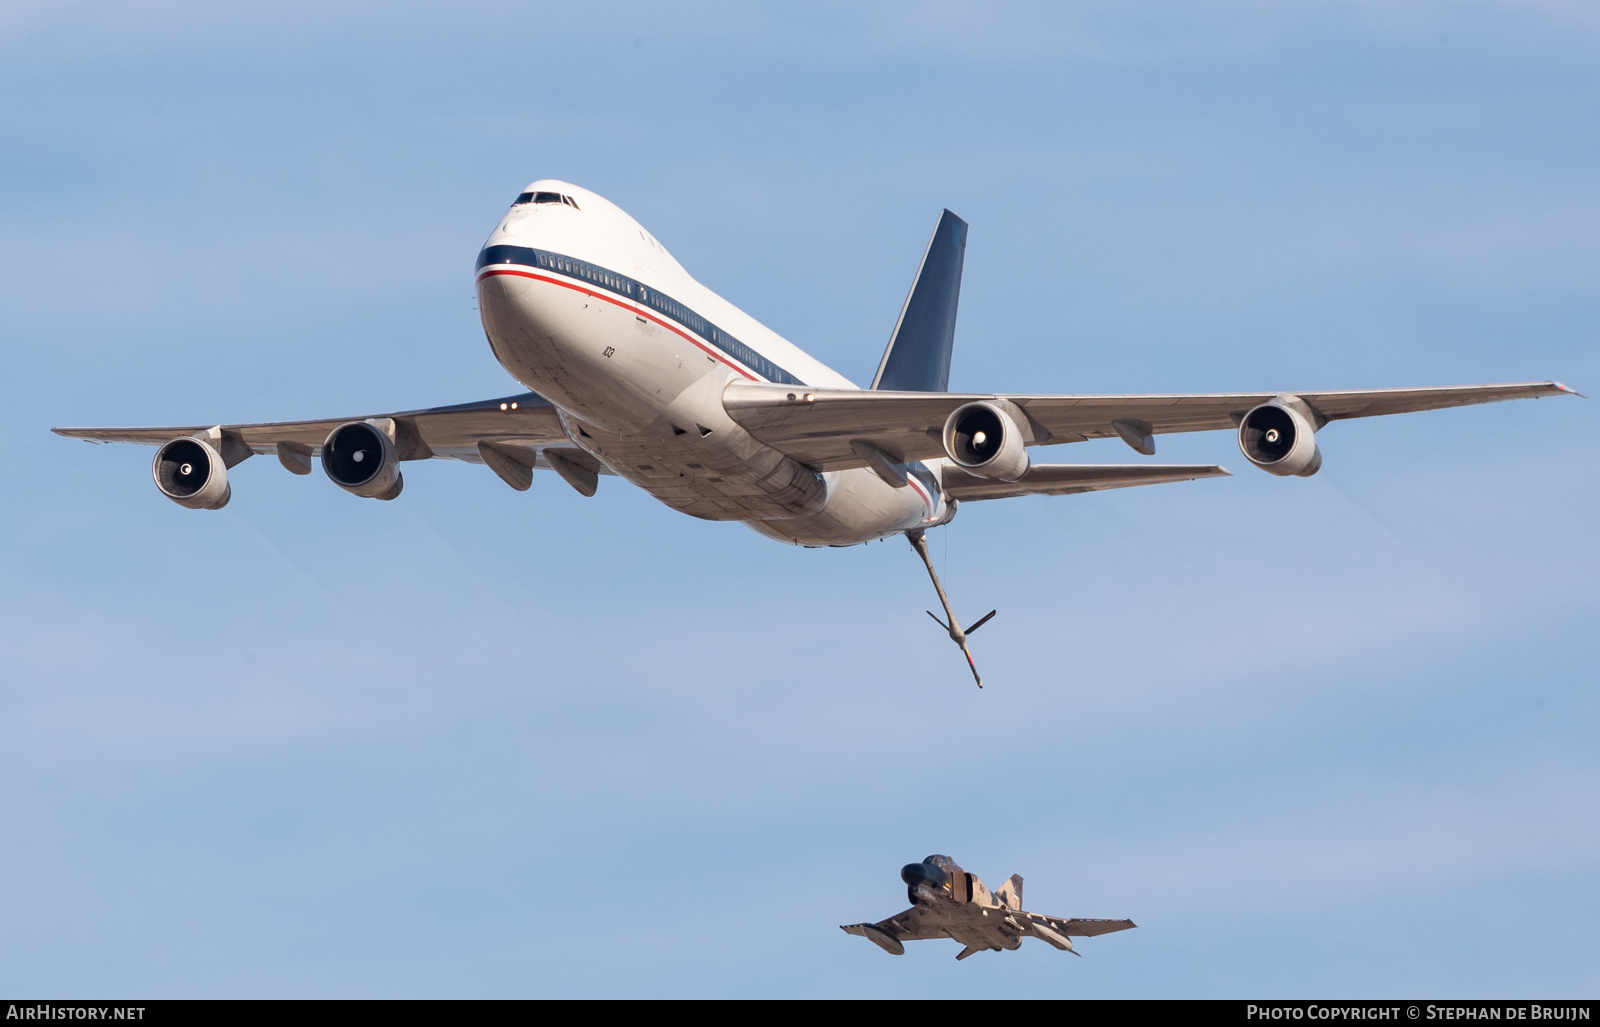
[{"x": 948, "y": 902}]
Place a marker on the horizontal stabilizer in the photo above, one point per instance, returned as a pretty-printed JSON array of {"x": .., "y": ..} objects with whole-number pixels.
[{"x": 1065, "y": 479}]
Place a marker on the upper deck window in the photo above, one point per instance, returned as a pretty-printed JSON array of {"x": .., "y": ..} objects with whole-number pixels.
[{"x": 544, "y": 198}]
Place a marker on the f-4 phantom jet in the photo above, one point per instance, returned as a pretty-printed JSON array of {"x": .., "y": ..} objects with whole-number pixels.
[{"x": 948, "y": 902}]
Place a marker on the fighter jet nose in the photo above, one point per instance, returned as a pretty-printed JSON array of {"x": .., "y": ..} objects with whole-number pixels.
[{"x": 914, "y": 874}]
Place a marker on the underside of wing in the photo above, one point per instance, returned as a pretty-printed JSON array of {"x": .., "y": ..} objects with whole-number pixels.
[
  {"x": 912, "y": 925},
  {"x": 1071, "y": 418},
  {"x": 521, "y": 425},
  {"x": 1066, "y": 479},
  {"x": 818, "y": 426},
  {"x": 1080, "y": 927}
]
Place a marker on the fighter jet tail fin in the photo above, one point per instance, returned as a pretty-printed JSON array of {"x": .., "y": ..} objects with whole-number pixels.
[{"x": 1010, "y": 893}]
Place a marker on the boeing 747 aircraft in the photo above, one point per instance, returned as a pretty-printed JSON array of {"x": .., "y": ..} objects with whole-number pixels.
[{"x": 639, "y": 371}]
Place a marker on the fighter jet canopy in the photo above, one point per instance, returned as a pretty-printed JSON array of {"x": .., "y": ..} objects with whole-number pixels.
[{"x": 939, "y": 861}]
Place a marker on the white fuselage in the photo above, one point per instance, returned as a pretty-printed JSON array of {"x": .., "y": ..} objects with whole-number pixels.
[{"x": 584, "y": 307}]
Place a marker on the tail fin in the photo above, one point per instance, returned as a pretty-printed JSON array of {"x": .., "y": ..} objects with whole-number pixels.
[
  {"x": 918, "y": 357},
  {"x": 1010, "y": 893}
]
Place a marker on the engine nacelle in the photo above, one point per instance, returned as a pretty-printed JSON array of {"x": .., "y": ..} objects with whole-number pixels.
[
  {"x": 360, "y": 458},
  {"x": 1280, "y": 439},
  {"x": 191, "y": 473},
  {"x": 987, "y": 440}
]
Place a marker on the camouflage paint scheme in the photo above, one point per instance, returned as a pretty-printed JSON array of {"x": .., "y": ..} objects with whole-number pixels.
[{"x": 948, "y": 902}]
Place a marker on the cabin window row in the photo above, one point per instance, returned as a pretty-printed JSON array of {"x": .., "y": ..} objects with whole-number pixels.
[{"x": 649, "y": 297}]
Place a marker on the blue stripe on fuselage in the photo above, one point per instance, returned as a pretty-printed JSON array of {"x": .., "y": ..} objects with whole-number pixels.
[{"x": 622, "y": 285}]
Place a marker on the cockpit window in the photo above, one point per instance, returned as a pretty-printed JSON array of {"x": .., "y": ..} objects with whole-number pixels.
[
  {"x": 544, "y": 198},
  {"x": 940, "y": 861}
]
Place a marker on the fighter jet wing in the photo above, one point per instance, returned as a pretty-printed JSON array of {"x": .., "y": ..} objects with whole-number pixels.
[
  {"x": 1064, "y": 479},
  {"x": 527, "y": 421},
  {"x": 1077, "y": 927},
  {"x": 817, "y": 426},
  {"x": 915, "y": 924}
]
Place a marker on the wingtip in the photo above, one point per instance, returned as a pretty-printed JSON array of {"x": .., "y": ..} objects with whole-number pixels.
[{"x": 1569, "y": 390}]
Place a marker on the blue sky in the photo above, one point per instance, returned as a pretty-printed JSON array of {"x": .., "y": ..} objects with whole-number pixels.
[{"x": 1324, "y": 737}]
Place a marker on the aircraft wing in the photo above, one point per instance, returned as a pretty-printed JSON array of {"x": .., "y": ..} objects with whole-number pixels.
[
  {"x": 1076, "y": 927},
  {"x": 816, "y": 426},
  {"x": 915, "y": 924},
  {"x": 1065, "y": 479},
  {"x": 523, "y": 425}
]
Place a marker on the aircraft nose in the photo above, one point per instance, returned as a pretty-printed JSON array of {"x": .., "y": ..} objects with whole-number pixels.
[{"x": 914, "y": 874}]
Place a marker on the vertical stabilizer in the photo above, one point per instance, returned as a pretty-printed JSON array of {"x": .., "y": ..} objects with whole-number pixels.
[
  {"x": 918, "y": 357},
  {"x": 1010, "y": 893}
]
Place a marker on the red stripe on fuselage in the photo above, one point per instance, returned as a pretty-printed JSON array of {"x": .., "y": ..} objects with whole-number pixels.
[
  {"x": 644, "y": 312},
  {"x": 927, "y": 500}
]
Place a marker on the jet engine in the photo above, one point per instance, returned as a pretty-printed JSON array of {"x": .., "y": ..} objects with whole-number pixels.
[
  {"x": 986, "y": 440},
  {"x": 1280, "y": 439},
  {"x": 192, "y": 474},
  {"x": 361, "y": 459}
]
